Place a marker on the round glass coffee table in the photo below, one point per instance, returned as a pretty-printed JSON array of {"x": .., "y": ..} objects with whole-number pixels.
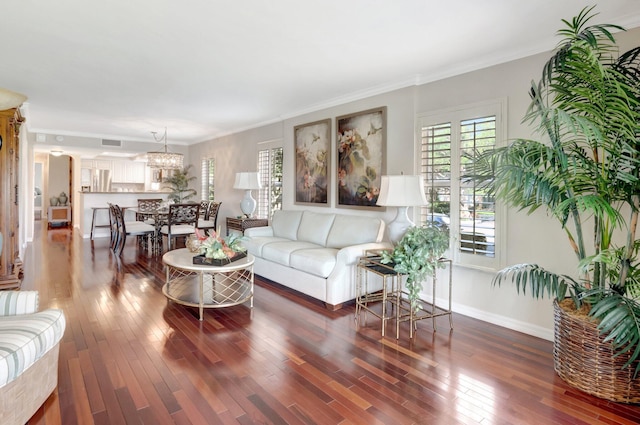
[{"x": 207, "y": 286}]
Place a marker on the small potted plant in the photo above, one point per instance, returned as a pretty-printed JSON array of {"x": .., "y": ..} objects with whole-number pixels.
[{"x": 417, "y": 255}]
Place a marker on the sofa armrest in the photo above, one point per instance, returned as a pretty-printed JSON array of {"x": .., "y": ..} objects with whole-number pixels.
[
  {"x": 18, "y": 302},
  {"x": 350, "y": 254},
  {"x": 341, "y": 283},
  {"x": 258, "y": 231}
]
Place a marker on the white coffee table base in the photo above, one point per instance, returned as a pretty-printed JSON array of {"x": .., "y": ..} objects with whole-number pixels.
[{"x": 205, "y": 286}]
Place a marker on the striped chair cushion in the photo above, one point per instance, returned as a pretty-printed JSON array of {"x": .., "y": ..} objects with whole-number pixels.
[
  {"x": 18, "y": 302},
  {"x": 25, "y": 338}
]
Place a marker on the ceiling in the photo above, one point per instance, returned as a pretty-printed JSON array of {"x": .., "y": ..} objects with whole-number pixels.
[{"x": 120, "y": 69}]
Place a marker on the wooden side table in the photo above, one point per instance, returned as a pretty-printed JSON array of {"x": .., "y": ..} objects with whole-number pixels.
[
  {"x": 242, "y": 224},
  {"x": 59, "y": 216}
]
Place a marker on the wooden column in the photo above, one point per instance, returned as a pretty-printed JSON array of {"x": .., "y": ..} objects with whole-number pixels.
[{"x": 10, "y": 262}]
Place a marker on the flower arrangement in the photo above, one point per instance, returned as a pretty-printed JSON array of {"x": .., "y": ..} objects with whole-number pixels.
[{"x": 215, "y": 246}]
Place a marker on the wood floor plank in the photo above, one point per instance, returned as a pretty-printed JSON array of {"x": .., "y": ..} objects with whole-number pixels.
[
  {"x": 94, "y": 393},
  {"x": 130, "y": 356},
  {"x": 80, "y": 398}
]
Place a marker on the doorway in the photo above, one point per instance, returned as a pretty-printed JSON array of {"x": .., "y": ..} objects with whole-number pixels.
[
  {"x": 37, "y": 190},
  {"x": 59, "y": 200}
]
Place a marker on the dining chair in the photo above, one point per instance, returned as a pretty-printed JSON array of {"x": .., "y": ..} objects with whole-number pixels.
[
  {"x": 210, "y": 219},
  {"x": 181, "y": 222},
  {"x": 130, "y": 228},
  {"x": 146, "y": 206},
  {"x": 113, "y": 227},
  {"x": 204, "y": 209}
]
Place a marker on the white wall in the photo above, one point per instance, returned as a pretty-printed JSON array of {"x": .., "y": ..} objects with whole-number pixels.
[
  {"x": 58, "y": 176},
  {"x": 534, "y": 238}
]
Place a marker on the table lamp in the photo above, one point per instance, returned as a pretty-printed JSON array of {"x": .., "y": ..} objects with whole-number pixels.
[
  {"x": 247, "y": 181},
  {"x": 401, "y": 192}
]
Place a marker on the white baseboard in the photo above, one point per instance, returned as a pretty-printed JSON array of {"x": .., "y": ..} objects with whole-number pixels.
[
  {"x": 505, "y": 322},
  {"x": 496, "y": 319}
]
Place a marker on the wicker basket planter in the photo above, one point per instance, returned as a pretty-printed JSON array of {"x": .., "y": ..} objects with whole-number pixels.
[{"x": 585, "y": 362}]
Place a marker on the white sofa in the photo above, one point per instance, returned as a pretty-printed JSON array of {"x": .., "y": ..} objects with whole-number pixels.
[{"x": 315, "y": 253}]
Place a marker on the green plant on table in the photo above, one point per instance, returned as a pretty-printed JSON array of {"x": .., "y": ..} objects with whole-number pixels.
[
  {"x": 215, "y": 246},
  {"x": 417, "y": 256},
  {"x": 586, "y": 174}
]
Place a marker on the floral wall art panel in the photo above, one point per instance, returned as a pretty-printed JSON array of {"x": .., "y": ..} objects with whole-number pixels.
[
  {"x": 361, "y": 145},
  {"x": 313, "y": 149}
]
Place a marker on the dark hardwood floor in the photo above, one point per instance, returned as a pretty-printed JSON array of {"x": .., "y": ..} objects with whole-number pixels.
[{"x": 130, "y": 357}]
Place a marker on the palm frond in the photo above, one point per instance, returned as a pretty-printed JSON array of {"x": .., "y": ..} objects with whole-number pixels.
[
  {"x": 537, "y": 280},
  {"x": 619, "y": 319}
]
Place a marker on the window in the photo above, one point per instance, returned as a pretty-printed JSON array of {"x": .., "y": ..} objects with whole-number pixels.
[
  {"x": 270, "y": 168},
  {"x": 208, "y": 172},
  {"x": 448, "y": 143}
]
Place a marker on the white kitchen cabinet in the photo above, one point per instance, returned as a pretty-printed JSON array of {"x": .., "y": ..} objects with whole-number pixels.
[
  {"x": 137, "y": 172},
  {"x": 96, "y": 164},
  {"x": 121, "y": 171},
  {"x": 118, "y": 172},
  {"x": 127, "y": 172}
]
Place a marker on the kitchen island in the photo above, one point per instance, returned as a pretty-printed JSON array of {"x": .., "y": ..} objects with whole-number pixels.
[{"x": 87, "y": 201}]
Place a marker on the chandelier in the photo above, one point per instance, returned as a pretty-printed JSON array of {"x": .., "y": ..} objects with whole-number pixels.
[{"x": 164, "y": 160}]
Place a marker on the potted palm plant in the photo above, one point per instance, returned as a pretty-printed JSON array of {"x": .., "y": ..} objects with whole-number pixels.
[
  {"x": 178, "y": 183},
  {"x": 586, "y": 174}
]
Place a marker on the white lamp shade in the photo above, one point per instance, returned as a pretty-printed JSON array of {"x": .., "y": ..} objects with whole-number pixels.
[
  {"x": 247, "y": 180},
  {"x": 401, "y": 191}
]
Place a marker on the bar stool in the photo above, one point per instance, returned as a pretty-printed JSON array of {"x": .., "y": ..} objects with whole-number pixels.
[{"x": 93, "y": 219}]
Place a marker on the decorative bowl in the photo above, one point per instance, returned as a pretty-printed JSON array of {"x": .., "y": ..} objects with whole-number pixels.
[{"x": 193, "y": 244}]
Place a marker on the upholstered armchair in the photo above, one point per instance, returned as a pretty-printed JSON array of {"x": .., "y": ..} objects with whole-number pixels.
[{"x": 29, "y": 347}]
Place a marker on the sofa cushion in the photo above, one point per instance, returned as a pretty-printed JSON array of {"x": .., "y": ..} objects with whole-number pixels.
[
  {"x": 354, "y": 230},
  {"x": 25, "y": 338},
  {"x": 285, "y": 224},
  {"x": 318, "y": 261},
  {"x": 255, "y": 244},
  {"x": 314, "y": 227},
  {"x": 280, "y": 252}
]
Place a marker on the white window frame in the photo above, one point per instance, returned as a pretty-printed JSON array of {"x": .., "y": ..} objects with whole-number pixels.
[
  {"x": 265, "y": 203},
  {"x": 206, "y": 183},
  {"x": 497, "y": 108}
]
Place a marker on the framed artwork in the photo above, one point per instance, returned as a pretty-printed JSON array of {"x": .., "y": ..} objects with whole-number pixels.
[
  {"x": 313, "y": 156},
  {"x": 361, "y": 144}
]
